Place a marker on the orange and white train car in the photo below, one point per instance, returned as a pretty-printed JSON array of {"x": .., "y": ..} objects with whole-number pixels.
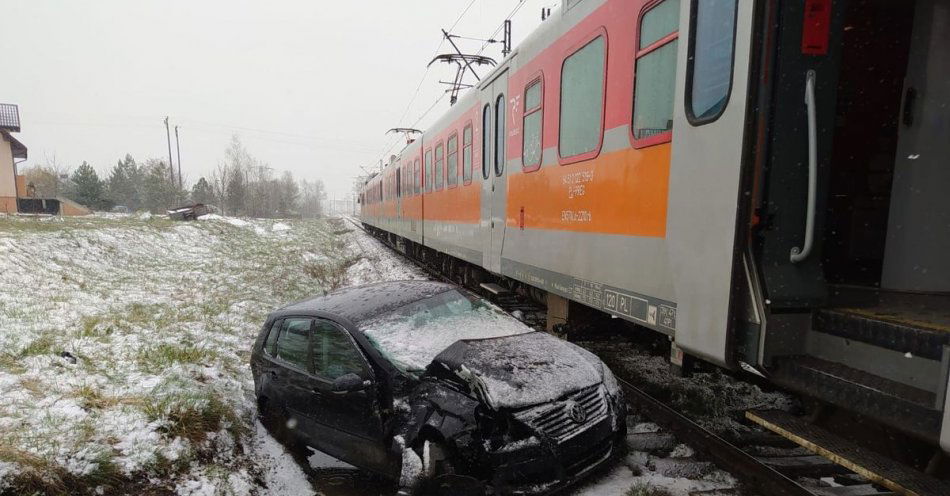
[{"x": 735, "y": 174}]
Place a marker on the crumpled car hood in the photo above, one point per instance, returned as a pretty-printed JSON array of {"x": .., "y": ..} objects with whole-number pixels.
[{"x": 520, "y": 371}]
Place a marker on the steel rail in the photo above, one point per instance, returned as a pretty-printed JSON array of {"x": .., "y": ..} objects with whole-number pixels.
[{"x": 722, "y": 453}]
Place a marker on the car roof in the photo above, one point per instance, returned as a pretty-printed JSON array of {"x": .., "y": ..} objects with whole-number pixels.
[{"x": 359, "y": 303}]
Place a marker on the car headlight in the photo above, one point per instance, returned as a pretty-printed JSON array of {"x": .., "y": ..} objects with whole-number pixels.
[{"x": 610, "y": 381}]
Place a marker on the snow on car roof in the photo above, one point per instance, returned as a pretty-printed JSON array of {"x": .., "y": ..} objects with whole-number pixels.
[
  {"x": 366, "y": 302},
  {"x": 411, "y": 339}
]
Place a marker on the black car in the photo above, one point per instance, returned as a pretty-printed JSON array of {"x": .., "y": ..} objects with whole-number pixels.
[{"x": 429, "y": 383}]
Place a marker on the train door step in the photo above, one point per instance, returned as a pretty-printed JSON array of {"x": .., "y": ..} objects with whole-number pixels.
[
  {"x": 876, "y": 468},
  {"x": 493, "y": 288},
  {"x": 888, "y": 328},
  {"x": 911, "y": 409},
  {"x": 908, "y": 322}
]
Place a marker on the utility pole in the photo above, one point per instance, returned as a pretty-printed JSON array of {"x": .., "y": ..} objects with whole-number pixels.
[
  {"x": 178, "y": 150},
  {"x": 171, "y": 166}
]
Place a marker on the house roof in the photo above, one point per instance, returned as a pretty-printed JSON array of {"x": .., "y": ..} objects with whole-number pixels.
[
  {"x": 19, "y": 149},
  {"x": 9, "y": 117}
]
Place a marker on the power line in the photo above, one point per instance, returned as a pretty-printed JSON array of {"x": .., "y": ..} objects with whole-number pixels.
[
  {"x": 425, "y": 74},
  {"x": 514, "y": 11},
  {"x": 424, "y": 114}
]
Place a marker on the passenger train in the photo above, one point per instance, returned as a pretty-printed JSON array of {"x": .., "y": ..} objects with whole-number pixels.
[{"x": 765, "y": 182}]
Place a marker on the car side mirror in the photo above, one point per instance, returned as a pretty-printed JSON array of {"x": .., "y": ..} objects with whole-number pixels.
[{"x": 349, "y": 383}]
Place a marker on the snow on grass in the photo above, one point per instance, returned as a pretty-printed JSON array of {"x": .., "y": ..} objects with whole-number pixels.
[{"x": 125, "y": 343}]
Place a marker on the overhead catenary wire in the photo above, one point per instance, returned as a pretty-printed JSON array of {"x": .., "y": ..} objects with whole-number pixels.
[{"x": 388, "y": 148}]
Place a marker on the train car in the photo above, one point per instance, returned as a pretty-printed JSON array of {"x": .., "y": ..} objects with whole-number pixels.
[{"x": 764, "y": 182}]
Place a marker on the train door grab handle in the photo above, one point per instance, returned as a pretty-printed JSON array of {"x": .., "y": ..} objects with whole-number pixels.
[{"x": 799, "y": 254}]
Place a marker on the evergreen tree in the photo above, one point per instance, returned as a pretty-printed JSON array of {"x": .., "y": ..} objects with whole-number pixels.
[
  {"x": 202, "y": 192},
  {"x": 125, "y": 182},
  {"x": 87, "y": 188},
  {"x": 158, "y": 194},
  {"x": 288, "y": 194},
  {"x": 235, "y": 194}
]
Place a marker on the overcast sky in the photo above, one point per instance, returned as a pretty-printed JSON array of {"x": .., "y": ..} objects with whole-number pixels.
[{"x": 309, "y": 86}]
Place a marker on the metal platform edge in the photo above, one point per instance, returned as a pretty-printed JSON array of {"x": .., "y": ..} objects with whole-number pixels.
[{"x": 798, "y": 431}]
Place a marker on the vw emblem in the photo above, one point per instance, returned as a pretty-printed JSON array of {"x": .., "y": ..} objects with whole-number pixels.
[{"x": 576, "y": 413}]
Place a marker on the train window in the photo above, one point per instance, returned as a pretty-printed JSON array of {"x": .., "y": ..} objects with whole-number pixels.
[
  {"x": 398, "y": 182},
  {"x": 486, "y": 140},
  {"x": 467, "y": 154},
  {"x": 429, "y": 170},
  {"x": 500, "y": 130},
  {"x": 452, "y": 161},
  {"x": 580, "y": 124},
  {"x": 439, "y": 166},
  {"x": 531, "y": 126},
  {"x": 709, "y": 76},
  {"x": 415, "y": 177},
  {"x": 655, "y": 74}
]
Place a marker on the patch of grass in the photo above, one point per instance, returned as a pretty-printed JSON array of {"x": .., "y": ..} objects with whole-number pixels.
[
  {"x": 91, "y": 398},
  {"x": 331, "y": 275},
  {"x": 93, "y": 326},
  {"x": 42, "y": 476},
  {"x": 34, "y": 386},
  {"x": 153, "y": 315},
  {"x": 642, "y": 489},
  {"x": 190, "y": 414},
  {"x": 11, "y": 363},
  {"x": 42, "y": 345},
  {"x": 162, "y": 356}
]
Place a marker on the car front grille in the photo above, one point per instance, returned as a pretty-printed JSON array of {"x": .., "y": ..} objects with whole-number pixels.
[{"x": 556, "y": 421}]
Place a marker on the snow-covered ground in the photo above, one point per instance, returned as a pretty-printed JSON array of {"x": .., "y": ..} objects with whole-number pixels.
[
  {"x": 124, "y": 343},
  {"x": 124, "y": 346}
]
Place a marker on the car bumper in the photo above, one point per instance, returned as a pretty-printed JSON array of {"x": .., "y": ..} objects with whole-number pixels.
[{"x": 529, "y": 468}]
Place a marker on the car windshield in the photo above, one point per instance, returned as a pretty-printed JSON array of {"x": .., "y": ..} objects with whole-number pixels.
[{"x": 412, "y": 335}]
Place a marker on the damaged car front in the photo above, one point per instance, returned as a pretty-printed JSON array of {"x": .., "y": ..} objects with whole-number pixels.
[{"x": 495, "y": 401}]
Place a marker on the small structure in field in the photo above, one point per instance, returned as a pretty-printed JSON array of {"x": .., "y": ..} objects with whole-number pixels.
[{"x": 190, "y": 212}]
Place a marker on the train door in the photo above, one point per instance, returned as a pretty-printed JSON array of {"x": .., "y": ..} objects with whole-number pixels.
[
  {"x": 399, "y": 186},
  {"x": 494, "y": 170},
  {"x": 918, "y": 235},
  {"x": 709, "y": 138}
]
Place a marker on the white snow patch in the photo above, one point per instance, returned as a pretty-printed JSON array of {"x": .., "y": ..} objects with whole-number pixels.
[
  {"x": 411, "y": 342},
  {"x": 281, "y": 473}
]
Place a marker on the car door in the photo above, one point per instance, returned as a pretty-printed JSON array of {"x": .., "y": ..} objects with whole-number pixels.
[
  {"x": 290, "y": 370},
  {"x": 346, "y": 425}
]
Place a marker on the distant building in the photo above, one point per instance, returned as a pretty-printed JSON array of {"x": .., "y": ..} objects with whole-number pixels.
[
  {"x": 11, "y": 151},
  {"x": 15, "y": 195}
]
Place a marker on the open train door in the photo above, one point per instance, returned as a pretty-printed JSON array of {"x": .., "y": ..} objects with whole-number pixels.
[{"x": 711, "y": 112}]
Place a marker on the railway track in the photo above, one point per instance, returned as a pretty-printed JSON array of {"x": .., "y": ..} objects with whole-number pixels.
[{"x": 764, "y": 463}]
